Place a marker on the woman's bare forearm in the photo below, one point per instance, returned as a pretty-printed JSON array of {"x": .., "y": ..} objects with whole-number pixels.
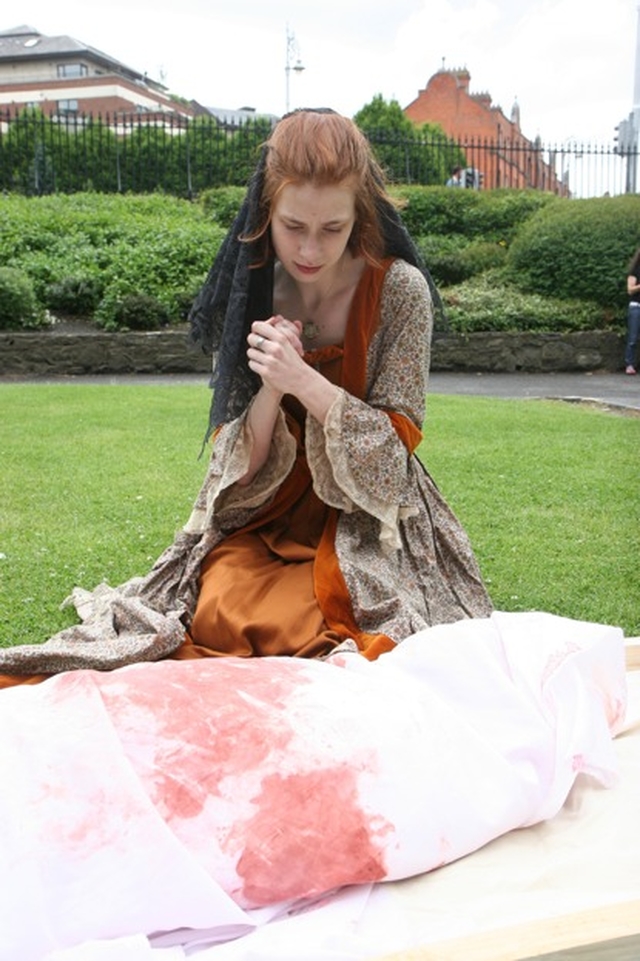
[{"x": 261, "y": 420}]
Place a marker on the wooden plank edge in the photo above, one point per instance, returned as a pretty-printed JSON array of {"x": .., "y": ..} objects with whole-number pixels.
[
  {"x": 534, "y": 938},
  {"x": 632, "y": 654}
]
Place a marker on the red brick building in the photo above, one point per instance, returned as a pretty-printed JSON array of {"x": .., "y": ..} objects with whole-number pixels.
[{"x": 493, "y": 143}]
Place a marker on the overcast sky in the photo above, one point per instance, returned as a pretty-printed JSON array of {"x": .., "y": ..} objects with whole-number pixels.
[{"x": 569, "y": 63}]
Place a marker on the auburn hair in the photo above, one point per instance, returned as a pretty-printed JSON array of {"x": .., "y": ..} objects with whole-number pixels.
[{"x": 324, "y": 148}]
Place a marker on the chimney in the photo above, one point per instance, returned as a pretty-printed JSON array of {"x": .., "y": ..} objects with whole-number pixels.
[
  {"x": 462, "y": 78},
  {"x": 483, "y": 98}
]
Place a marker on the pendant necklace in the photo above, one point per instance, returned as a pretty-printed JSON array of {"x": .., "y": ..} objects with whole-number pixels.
[{"x": 310, "y": 330}]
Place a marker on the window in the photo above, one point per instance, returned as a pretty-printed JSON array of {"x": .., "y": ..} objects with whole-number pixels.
[
  {"x": 72, "y": 70},
  {"x": 67, "y": 106}
]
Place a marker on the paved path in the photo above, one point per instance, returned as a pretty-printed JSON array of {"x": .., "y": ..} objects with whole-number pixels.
[{"x": 615, "y": 390}]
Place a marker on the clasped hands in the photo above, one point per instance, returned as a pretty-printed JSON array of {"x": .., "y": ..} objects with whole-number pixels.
[{"x": 275, "y": 353}]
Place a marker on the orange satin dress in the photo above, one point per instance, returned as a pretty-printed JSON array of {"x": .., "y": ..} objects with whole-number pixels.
[{"x": 257, "y": 588}]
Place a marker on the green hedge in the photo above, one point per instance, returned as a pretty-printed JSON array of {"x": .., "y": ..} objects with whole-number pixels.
[
  {"x": 97, "y": 255},
  {"x": 563, "y": 261},
  {"x": 579, "y": 248},
  {"x": 493, "y": 215},
  {"x": 452, "y": 260},
  {"x": 505, "y": 260},
  {"x": 488, "y": 302}
]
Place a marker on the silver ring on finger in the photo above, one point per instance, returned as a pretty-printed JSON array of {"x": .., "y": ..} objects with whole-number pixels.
[{"x": 259, "y": 343}]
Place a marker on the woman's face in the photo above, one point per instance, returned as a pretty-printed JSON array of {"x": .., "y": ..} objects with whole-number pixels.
[{"x": 310, "y": 228}]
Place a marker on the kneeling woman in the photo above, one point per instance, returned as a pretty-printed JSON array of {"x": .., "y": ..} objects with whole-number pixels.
[
  {"x": 317, "y": 524},
  {"x": 330, "y": 527}
]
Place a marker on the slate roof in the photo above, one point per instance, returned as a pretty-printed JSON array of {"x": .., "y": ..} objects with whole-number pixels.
[
  {"x": 240, "y": 116},
  {"x": 25, "y": 43}
]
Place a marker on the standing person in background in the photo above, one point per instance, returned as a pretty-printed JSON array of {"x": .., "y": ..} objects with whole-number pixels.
[
  {"x": 457, "y": 178},
  {"x": 633, "y": 315}
]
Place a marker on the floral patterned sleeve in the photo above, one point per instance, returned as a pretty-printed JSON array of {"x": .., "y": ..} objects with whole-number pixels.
[
  {"x": 357, "y": 459},
  {"x": 232, "y": 503}
]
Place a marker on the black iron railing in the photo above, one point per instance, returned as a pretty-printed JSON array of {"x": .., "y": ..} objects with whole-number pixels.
[{"x": 73, "y": 152}]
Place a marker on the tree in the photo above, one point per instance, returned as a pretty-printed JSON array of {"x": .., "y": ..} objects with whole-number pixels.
[
  {"x": 408, "y": 152},
  {"x": 378, "y": 116}
]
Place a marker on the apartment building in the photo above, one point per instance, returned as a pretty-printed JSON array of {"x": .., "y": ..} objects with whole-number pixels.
[{"x": 63, "y": 76}]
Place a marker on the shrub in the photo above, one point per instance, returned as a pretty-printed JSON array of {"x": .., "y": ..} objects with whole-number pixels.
[
  {"x": 19, "y": 306},
  {"x": 222, "y": 204},
  {"x": 488, "y": 303},
  {"x": 452, "y": 260},
  {"x": 443, "y": 256},
  {"x": 501, "y": 213},
  {"x": 438, "y": 210},
  {"x": 89, "y": 251},
  {"x": 578, "y": 248},
  {"x": 78, "y": 296},
  {"x": 483, "y": 255},
  {"x": 175, "y": 301},
  {"x": 141, "y": 312},
  {"x": 493, "y": 215}
]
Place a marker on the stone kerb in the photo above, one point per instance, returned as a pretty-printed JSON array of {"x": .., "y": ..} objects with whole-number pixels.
[{"x": 57, "y": 353}]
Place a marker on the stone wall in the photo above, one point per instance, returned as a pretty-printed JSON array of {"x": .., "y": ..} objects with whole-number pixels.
[
  {"x": 509, "y": 352},
  {"x": 53, "y": 353}
]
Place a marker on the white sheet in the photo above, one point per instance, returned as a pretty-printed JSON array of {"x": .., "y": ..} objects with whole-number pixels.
[
  {"x": 584, "y": 859},
  {"x": 210, "y": 795}
]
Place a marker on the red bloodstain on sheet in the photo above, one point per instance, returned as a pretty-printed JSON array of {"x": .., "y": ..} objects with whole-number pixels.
[
  {"x": 309, "y": 834},
  {"x": 207, "y": 720}
]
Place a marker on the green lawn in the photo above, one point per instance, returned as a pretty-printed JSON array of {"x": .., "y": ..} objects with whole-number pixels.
[
  {"x": 548, "y": 492},
  {"x": 95, "y": 480}
]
